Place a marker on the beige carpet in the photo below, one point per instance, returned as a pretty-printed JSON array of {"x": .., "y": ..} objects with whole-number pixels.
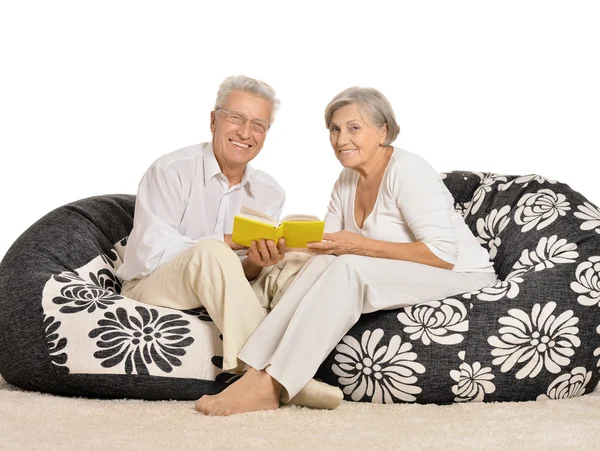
[{"x": 39, "y": 421}]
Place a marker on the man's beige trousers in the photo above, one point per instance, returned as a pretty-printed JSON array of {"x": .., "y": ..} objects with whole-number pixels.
[{"x": 210, "y": 275}]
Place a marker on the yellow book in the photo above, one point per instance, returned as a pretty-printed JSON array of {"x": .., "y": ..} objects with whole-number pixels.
[{"x": 251, "y": 225}]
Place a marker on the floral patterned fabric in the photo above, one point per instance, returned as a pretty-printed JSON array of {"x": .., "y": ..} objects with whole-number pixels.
[
  {"x": 66, "y": 329},
  {"x": 533, "y": 335}
]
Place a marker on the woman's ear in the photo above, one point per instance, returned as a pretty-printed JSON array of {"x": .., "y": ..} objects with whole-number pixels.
[{"x": 383, "y": 131}]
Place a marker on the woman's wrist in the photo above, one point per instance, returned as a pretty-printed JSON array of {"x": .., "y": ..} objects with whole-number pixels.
[{"x": 365, "y": 247}]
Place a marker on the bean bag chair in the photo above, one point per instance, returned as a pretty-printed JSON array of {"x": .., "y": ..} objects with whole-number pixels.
[{"x": 65, "y": 328}]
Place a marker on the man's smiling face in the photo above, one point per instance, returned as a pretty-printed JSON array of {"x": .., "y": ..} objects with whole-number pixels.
[{"x": 236, "y": 145}]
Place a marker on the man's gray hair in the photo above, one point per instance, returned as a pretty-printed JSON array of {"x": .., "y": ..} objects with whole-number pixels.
[
  {"x": 370, "y": 102},
  {"x": 246, "y": 84}
]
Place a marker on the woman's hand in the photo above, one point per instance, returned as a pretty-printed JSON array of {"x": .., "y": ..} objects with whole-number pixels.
[{"x": 339, "y": 243}]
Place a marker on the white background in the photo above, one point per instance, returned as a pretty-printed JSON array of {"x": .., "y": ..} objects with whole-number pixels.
[{"x": 92, "y": 93}]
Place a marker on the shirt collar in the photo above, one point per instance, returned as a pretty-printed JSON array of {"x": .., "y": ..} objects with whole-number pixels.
[
  {"x": 248, "y": 179},
  {"x": 211, "y": 169},
  {"x": 211, "y": 166}
]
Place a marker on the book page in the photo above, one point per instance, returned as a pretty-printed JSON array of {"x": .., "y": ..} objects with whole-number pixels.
[
  {"x": 299, "y": 218},
  {"x": 257, "y": 216}
]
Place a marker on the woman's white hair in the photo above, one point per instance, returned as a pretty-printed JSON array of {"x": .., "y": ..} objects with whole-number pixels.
[
  {"x": 246, "y": 84},
  {"x": 372, "y": 103}
]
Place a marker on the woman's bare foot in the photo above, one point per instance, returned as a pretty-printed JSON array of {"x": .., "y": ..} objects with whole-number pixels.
[{"x": 255, "y": 390}]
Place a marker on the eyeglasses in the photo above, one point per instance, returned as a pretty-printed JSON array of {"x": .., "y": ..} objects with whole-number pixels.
[{"x": 239, "y": 119}]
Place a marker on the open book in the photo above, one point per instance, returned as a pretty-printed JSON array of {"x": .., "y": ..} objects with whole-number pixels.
[{"x": 251, "y": 225}]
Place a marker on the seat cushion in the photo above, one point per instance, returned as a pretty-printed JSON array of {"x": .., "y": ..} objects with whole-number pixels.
[
  {"x": 535, "y": 334},
  {"x": 66, "y": 329}
]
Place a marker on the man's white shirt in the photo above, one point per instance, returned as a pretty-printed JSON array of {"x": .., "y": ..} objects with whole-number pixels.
[{"x": 184, "y": 198}]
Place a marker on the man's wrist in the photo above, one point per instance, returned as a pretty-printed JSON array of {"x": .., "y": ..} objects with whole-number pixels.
[{"x": 251, "y": 270}]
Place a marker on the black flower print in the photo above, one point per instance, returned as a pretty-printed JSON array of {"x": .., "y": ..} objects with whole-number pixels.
[
  {"x": 141, "y": 340},
  {"x": 227, "y": 378},
  {"x": 217, "y": 360},
  {"x": 85, "y": 296},
  {"x": 67, "y": 277},
  {"x": 110, "y": 258},
  {"x": 106, "y": 279},
  {"x": 200, "y": 312},
  {"x": 55, "y": 343}
]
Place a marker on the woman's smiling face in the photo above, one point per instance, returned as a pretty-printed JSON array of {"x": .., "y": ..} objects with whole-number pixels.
[{"x": 354, "y": 139}]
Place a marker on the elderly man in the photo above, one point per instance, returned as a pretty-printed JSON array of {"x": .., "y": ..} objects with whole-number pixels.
[{"x": 180, "y": 253}]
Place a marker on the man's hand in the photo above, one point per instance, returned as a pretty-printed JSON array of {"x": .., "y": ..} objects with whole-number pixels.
[
  {"x": 231, "y": 244},
  {"x": 266, "y": 253},
  {"x": 339, "y": 243}
]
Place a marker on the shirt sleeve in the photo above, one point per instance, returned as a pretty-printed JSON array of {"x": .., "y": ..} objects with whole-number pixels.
[
  {"x": 426, "y": 205},
  {"x": 155, "y": 238},
  {"x": 334, "y": 219}
]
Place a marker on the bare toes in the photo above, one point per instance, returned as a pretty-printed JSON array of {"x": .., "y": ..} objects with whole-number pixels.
[{"x": 204, "y": 404}]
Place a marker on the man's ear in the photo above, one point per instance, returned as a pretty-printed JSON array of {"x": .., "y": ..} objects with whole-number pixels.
[{"x": 213, "y": 118}]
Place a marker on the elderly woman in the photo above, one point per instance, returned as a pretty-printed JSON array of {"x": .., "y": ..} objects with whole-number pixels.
[{"x": 393, "y": 240}]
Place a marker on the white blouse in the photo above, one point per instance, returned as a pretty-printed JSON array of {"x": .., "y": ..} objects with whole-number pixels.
[
  {"x": 413, "y": 204},
  {"x": 184, "y": 198}
]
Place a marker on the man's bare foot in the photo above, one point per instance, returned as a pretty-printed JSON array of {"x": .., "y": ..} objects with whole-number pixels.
[{"x": 255, "y": 390}]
